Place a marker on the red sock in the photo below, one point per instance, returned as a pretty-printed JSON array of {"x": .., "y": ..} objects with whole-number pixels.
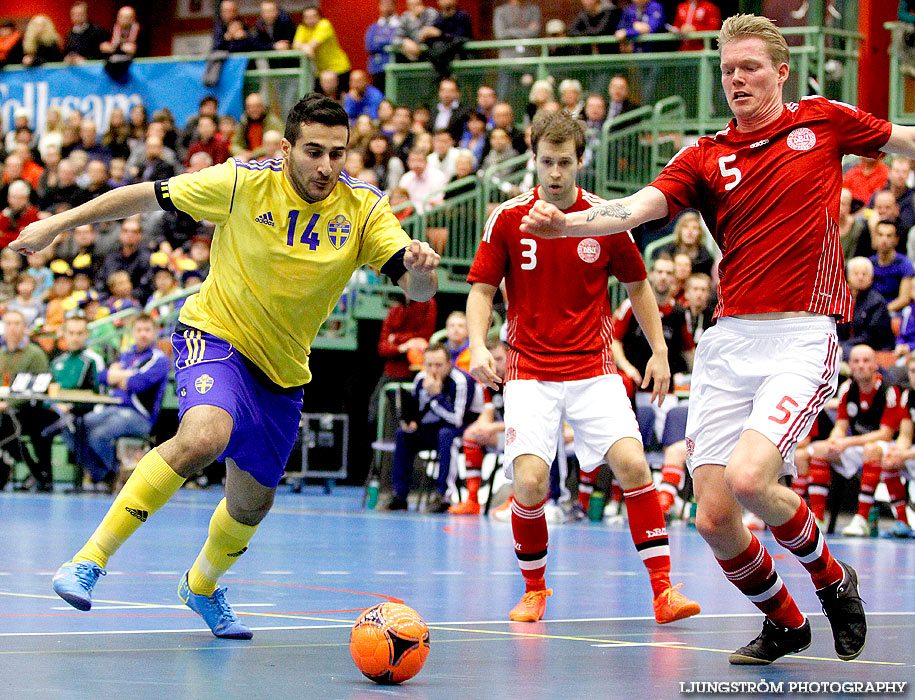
[
  {"x": 646, "y": 524},
  {"x": 586, "y": 481},
  {"x": 616, "y": 491},
  {"x": 870, "y": 478},
  {"x": 753, "y": 572},
  {"x": 801, "y": 536},
  {"x": 800, "y": 483},
  {"x": 531, "y": 537},
  {"x": 820, "y": 476},
  {"x": 898, "y": 495},
  {"x": 473, "y": 488},
  {"x": 671, "y": 478},
  {"x": 473, "y": 461}
]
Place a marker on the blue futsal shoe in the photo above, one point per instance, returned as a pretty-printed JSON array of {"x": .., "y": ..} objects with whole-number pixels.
[
  {"x": 75, "y": 580},
  {"x": 215, "y": 611}
]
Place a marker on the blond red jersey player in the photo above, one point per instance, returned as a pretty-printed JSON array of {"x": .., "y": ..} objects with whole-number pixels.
[{"x": 768, "y": 188}]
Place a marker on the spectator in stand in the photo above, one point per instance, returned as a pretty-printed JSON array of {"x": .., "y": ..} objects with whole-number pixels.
[
  {"x": 897, "y": 182},
  {"x": 19, "y": 355},
  {"x": 96, "y": 179},
  {"x": 40, "y": 42},
  {"x": 58, "y": 300},
  {"x": 117, "y": 173},
  {"x": 683, "y": 268},
  {"x": 689, "y": 238},
  {"x": 380, "y": 158},
  {"x": 125, "y": 36},
  {"x": 457, "y": 339},
  {"x": 316, "y": 37},
  {"x": 138, "y": 379},
  {"x": 84, "y": 40},
  {"x": 18, "y": 213},
  {"x": 618, "y": 92},
  {"x": 385, "y": 115},
  {"x": 446, "y": 37},
  {"x": 164, "y": 117},
  {"x": 640, "y": 18},
  {"x": 209, "y": 107},
  {"x": 500, "y": 149},
  {"x": 409, "y": 40},
  {"x": 208, "y": 140},
  {"x": 329, "y": 86},
  {"x": 905, "y": 338},
  {"x": 226, "y": 12},
  {"x": 866, "y": 178},
  {"x": 155, "y": 167},
  {"x": 405, "y": 331},
  {"x": 120, "y": 293},
  {"x": 52, "y": 135},
  {"x": 38, "y": 268},
  {"x": 361, "y": 98},
  {"x": 696, "y": 16},
  {"x": 570, "y": 92},
  {"x": 10, "y": 45},
  {"x": 237, "y": 39},
  {"x": 893, "y": 271},
  {"x": 117, "y": 138},
  {"x": 422, "y": 122},
  {"x": 541, "y": 94},
  {"x": 82, "y": 252},
  {"x": 449, "y": 112},
  {"x": 697, "y": 310},
  {"x": 514, "y": 20},
  {"x": 274, "y": 29},
  {"x": 26, "y": 302},
  {"x": 595, "y": 19},
  {"x": 868, "y": 414},
  {"x": 381, "y": 35},
  {"x": 402, "y": 136},
  {"x": 503, "y": 117},
  {"x": 271, "y": 146},
  {"x": 486, "y": 102},
  {"x": 138, "y": 122},
  {"x": 444, "y": 154},
  {"x": 595, "y": 113},
  {"x": 89, "y": 141},
  {"x": 249, "y": 132},
  {"x": 401, "y": 204},
  {"x": 31, "y": 171},
  {"x": 131, "y": 256},
  {"x": 10, "y": 267},
  {"x": 66, "y": 193},
  {"x": 851, "y": 228},
  {"x": 885, "y": 209},
  {"x": 464, "y": 170},
  {"x": 444, "y": 402},
  {"x": 423, "y": 184},
  {"x": 870, "y": 323},
  {"x": 199, "y": 253},
  {"x": 475, "y": 138}
]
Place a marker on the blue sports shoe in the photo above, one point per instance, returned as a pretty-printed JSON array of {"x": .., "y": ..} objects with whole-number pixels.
[
  {"x": 900, "y": 530},
  {"x": 215, "y": 611},
  {"x": 75, "y": 580}
]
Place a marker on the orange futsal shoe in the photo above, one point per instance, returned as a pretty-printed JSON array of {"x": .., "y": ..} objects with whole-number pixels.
[
  {"x": 672, "y": 605},
  {"x": 531, "y": 607},
  {"x": 467, "y": 507},
  {"x": 667, "y": 500}
]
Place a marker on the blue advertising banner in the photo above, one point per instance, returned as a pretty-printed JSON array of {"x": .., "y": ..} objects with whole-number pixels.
[{"x": 89, "y": 90}]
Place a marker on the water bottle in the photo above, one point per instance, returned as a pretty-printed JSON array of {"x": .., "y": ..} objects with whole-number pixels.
[
  {"x": 371, "y": 493},
  {"x": 596, "y": 506}
]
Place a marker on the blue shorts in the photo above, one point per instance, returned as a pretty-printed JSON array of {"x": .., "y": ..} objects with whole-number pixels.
[{"x": 211, "y": 372}]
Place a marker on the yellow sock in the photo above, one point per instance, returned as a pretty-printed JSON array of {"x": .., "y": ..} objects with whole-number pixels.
[
  {"x": 150, "y": 486},
  {"x": 228, "y": 539}
]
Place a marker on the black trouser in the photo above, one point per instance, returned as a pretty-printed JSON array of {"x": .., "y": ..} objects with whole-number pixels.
[{"x": 33, "y": 419}]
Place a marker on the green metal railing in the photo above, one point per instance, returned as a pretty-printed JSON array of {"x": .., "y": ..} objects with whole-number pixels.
[
  {"x": 902, "y": 75},
  {"x": 823, "y": 61}
]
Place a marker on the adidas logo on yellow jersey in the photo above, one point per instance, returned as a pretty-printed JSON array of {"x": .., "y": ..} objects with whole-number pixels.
[{"x": 264, "y": 219}]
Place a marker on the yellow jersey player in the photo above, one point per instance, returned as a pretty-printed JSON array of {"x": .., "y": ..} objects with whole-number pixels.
[{"x": 289, "y": 233}]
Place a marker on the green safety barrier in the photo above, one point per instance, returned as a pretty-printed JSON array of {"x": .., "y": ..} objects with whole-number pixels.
[{"x": 902, "y": 75}]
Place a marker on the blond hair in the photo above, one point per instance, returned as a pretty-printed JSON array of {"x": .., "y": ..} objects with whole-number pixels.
[
  {"x": 749, "y": 26},
  {"x": 39, "y": 31}
]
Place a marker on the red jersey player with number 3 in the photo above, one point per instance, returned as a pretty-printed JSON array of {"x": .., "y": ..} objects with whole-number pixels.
[
  {"x": 768, "y": 187},
  {"x": 560, "y": 363}
]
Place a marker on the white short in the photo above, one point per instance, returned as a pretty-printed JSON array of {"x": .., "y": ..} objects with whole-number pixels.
[
  {"x": 851, "y": 460},
  {"x": 771, "y": 376},
  {"x": 597, "y": 409}
]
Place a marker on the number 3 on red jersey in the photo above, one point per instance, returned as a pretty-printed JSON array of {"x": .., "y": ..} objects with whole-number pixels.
[
  {"x": 784, "y": 412},
  {"x": 529, "y": 255},
  {"x": 727, "y": 172}
]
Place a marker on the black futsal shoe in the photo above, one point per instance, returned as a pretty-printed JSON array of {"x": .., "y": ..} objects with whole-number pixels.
[
  {"x": 845, "y": 610},
  {"x": 773, "y": 643}
]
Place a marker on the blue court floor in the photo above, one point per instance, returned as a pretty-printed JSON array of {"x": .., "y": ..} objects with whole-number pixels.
[{"x": 318, "y": 560}]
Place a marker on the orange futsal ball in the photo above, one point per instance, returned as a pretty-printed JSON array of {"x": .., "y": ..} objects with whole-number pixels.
[{"x": 389, "y": 643}]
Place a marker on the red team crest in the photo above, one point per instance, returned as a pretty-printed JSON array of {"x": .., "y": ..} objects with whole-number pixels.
[
  {"x": 510, "y": 436},
  {"x": 690, "y": 446},
  {"x": 801, "y": 139},
  {"x": 589, "y": 250}
]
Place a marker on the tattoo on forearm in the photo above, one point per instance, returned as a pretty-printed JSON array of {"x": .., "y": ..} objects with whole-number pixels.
[{"x": 611, "y": 209}]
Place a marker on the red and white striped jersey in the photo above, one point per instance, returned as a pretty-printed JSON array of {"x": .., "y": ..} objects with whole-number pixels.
[
  {"x": 559, "y": 312},
  {"x": 771, "y": 200}
]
